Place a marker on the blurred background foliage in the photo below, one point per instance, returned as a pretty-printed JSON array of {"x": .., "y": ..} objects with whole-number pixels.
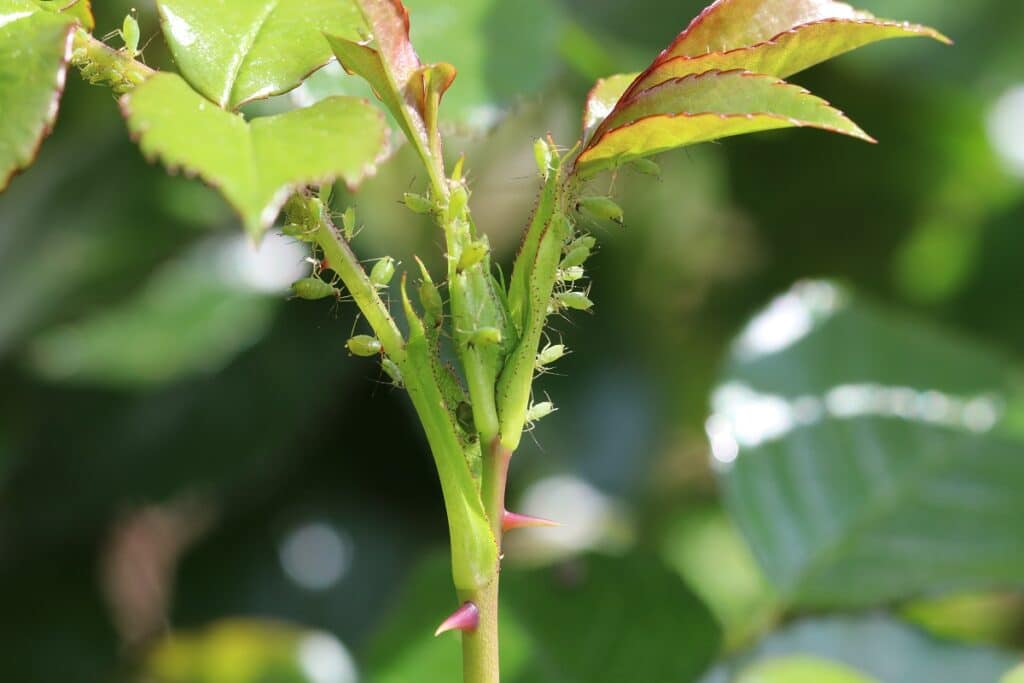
[{"x": 197, "y": 483}]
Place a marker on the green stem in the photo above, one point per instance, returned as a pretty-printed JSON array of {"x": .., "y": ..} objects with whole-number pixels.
[{"x": 480, "y": 662}]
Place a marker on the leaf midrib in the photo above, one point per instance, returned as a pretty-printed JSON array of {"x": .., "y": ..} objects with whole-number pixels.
[{"x": 249, "y": 39}]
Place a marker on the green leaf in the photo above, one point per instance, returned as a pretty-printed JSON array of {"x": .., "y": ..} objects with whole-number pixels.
[
  {"x": 235, "y": 51},
  {"x": 602, "y": 98},
  {"x": 1015, "y": 676},
  {"x": 594, "y": 620},
  {"x": 878, "y": 646},
  {"x": 35, "y": 47},
  {"x": 788, "y": 53},
  {"x": 801, "y": 669},
  {"x": 256, "y": 165},
  {"x": 79, "y": 9},
  {"x": 866, "y": 458},
  {"x": 706, "y": 107}
]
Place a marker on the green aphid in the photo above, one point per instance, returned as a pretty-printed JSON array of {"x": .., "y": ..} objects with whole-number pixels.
[
  {"x": 464, "y": 416},
  {"x": 314, "y": 289},
  {"x": 417, "y": 203},
  {"x": 577, "y": 301},
  {"x": 538, "y": 411},
  {"x": 363, "y": 345},
  {"x": 646, "y": 167},
  {"x": 130, "y": 34},
  {"x": 391, "y": 369},
  {"x": 485, "y": 336},
  {"x": 472, "y": 253},
  {"x": 587, "y": 241},
  {"x": 348, "y": 224},
  {"x": 542, "y": 155},
  {"x": 571, "y": 274},
  {"x": 299, "y": 232},
  {"x": 457, "y": 201},
  {"x": 601, "y": 208},
  {"x": 549, "y": 354},
  {"x": 575, "y": 257},
  {"x": 382, "y": 272}
]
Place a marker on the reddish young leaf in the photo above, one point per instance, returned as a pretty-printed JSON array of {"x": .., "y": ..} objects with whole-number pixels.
[{"x": 705, "y": 107}]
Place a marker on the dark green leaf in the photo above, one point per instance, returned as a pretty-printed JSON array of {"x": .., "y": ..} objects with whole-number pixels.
[
  {"x": 866, "y": 458},
  {"x": 878, "y": 646},
  {"x": 257, "y": 164},
  {"x": 234, "y": 51},
  {"x": 35, "y": 47}
]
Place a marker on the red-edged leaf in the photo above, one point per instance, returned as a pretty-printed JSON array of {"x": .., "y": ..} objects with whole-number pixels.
[
  {"x": 389, "y": 26},
  {"x": 705, "y": 107},
  {"x": 789, "y": 52},
  {"x": 35, "y": 46},
  {"x": 602, "y": 99}
]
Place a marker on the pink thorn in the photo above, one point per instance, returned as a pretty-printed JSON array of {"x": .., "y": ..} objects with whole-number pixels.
[
  {"x": 466, "y": 618},
  {"x": 513, "y": 520}
]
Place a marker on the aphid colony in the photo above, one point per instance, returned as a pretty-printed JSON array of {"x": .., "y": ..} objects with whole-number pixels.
[
  {"x": 113, "y": 68},
  {"x": 307, "y": 215}
]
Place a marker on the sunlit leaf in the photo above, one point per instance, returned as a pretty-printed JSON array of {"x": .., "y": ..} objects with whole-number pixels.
[
  {"x": 879, "y": 647},
  {"x": 867, "y": 458},
  {"x": 602, "y": 98},
  {"x": 234, "y": 51},
  {"x": 79, "y": 9},
  {"x": 801, "y": 669},
  {"x": 1015, "y": 676},
  {"x": 707, "y": 107},
  {"x": 256, "y": 164},
  {"x": 35, "y": 47}
]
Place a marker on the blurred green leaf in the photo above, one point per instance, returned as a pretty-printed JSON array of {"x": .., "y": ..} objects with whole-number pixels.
[
  {"x": 593, "y": 620},
  {"x": 79, "y": 9},
  {"x": 34, "y": 50},
  {"x": 235, "y": 51},
  {"x": 705, "y": 107},
  {"x": 801, "y": 670},
  {"x": 867, "y": 458},
  {"x": 189, "y": 318},
  {"x": 878, "y": 646},
  {"x": 1015, "y": 676},
  {"x": 250, "y": 651},
  {"x": 256, "y": 165}
]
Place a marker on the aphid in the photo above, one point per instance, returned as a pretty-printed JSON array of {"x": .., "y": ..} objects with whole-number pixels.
[
  {"x": 577, "y": 301},
  {"x": 646, "y": 167},
  {"x": 575, "y": 257},
  {"x": 472, "y": 253},
  {"x": 348, "y": 224},
  {"x": 549, "y": 354},
  {"x": 571, "y": 274},
  {"x": 457, "y": 201},
  {"x": 538, "y": 411},
  {"x": 417, "y": 203},
  {"x": 382, "y": 272},
  {"x": 485, "y": 336},
  {"x": 464, "y": 416},
  {"x": 314, "y": 289},
  {"x": 588, "y": 241},
  {"x": 130, "y": 34},
  {"x": 391, "y": 369},
  {"x": 601, "y": 208},
  {"x": 299, "y": 232},
  {"x": 542, "y": 154},
  {"x": 363, "y": 345}
]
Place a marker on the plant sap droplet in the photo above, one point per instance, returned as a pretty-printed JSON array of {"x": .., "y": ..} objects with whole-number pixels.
[{"x": 363, "y": 345}]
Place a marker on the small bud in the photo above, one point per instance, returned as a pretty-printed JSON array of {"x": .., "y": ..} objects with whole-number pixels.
[
  {"x": 549, "y": 354},
  {"x": 576, "y": 257},
  {"x": 570, "y": 274},
  {"x": 542, "y": 154},
  {"x": 382, "y": 272},
  {"x": 538, "y": 411},
  {"x": 465, "y": 618},
  {"x": 646, "y": 167},
  {"x": 512, "y": 520},
  {"x": 472, "y": 254},
  {"x": 314, "y": 289},
  {"x": 601, "y": 208},
  {"x": 577, "y": 301},
  {"x": 486, "y": 336},
  {"x": 417, "y": 203},
  {"x": 363, "y": 345}
]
